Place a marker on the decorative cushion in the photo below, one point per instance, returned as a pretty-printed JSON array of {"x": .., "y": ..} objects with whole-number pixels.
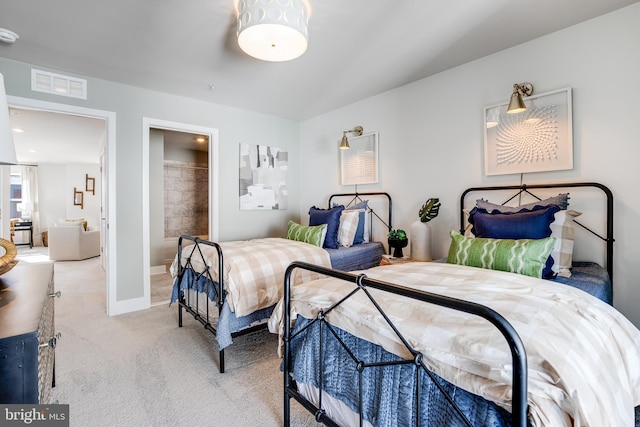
[
  {"x": 349, "y": 221},
  {"x": 362, "y": 234},
  {"x": 562, "y": 229},
  {"x": 331, "y": 217},
  {"x": 523, "y": 256},
  {"x": 561, "y": 200},
  {"x": 531, "y": 224},
  {"x": 72, "y": 222},
  {"x": 313, "y": 235}
]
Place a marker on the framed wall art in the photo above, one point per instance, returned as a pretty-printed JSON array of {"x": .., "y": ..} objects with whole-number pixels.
[
  {"x": 538, "y": 139},
  {"x": 359, "y": 164},
  {"x": 263, "y": 177}
]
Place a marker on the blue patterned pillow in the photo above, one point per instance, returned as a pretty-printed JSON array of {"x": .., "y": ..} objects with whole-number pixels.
[{"x": 331, "y": 217}]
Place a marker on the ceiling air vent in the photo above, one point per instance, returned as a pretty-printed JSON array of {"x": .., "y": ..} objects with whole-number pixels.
[{"x": 58, "y": 84}]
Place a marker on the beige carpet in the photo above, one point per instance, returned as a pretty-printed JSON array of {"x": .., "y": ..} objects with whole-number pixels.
[{"x": 140, "y": 369}]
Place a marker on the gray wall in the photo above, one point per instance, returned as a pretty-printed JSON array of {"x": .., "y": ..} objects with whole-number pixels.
[{"x": 131, "y": 104}]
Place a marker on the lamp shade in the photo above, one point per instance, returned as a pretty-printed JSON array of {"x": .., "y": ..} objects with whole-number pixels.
[
  {"x": 516, "y": 104},
  {"x": 344, "y": 144},
  {"x": 272, "y": 30},
  {"x": 7, "y": 148}
]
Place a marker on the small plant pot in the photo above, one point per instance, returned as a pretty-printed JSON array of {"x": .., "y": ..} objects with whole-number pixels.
[{"x": 397, "y": 245}]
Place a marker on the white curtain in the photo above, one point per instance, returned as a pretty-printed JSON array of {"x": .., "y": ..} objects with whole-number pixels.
[{"x": 30, "y": 199}]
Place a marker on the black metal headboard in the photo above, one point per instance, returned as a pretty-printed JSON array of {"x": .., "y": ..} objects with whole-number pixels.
[
  {"x": 357, "y": 197},
  {"x": 525, "y": 188}
]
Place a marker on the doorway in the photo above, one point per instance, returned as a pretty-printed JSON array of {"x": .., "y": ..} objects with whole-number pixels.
[
  {"x": 179, "y": 194},
  {"x": 108, "y": 164}
]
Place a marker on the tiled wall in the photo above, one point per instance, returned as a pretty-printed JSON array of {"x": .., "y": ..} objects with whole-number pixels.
[{"x": 186, "y": 199}]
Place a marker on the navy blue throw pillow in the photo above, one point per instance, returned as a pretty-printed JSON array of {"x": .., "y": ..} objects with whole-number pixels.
[
  {"x": 530, "y": 224},
  {"x": 331, "y": 217}
]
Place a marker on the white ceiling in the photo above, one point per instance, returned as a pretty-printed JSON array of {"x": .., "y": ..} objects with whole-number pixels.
[{"x": 357, "y": 48}]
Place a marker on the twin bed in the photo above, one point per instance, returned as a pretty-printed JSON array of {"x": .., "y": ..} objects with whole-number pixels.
[
  {"x": 243, "y": 298},
  {"x": 447, "y": 343}
]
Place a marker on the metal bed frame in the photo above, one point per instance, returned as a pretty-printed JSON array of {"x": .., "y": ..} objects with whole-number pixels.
[
  {"x": 184, "y": 302},
  {"x": 208, "y": 320},
  {"x": 519, "y": 358},
  {"x": 525, "y": 188}
]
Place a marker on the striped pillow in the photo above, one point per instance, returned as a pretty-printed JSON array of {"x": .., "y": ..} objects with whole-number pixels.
[
  {"x": 313, "y": 235},
  {"x": 524, "y": 256},
  {"x": 349, "y": 221}
]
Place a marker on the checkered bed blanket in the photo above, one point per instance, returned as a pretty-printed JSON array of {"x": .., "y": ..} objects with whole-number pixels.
[{"x": 254, "y": 269}]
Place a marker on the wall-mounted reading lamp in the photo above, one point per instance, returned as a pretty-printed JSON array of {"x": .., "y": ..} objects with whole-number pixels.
[
  {"x": 357, "y": 131},
  {"x": 520, "y": 90}
]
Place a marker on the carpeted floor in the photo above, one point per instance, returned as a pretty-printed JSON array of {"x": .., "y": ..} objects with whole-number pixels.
[{"x": 140, "y": 369}]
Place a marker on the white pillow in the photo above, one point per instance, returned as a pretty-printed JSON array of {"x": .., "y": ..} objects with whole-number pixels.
[
  {"x": 562, "y": 253},
  {"x": 348, "y": 227}
]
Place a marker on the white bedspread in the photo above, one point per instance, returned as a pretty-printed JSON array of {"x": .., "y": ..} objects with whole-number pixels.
[
  {"x": 583, "y": 355},
  {"x": 254, "y": 269}
]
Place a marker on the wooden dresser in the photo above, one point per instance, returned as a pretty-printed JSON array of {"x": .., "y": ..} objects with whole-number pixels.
[{"x": 27, "y": 336}]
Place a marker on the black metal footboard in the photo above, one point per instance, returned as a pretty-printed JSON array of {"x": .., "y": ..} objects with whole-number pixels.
[
  {"x": 184, "y": 298},
  {"x": 519, "y": 375},
  {"x": 213, "y": 288}
]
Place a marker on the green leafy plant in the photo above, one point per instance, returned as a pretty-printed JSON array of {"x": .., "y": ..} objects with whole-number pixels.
[
  {"x": 429, "y": 210},
  {"x": 397, "y": 234}
]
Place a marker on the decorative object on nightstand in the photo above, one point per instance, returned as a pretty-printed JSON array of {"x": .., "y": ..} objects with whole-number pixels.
[
  {"x": 421, "y": 232},
  {"x": 8, "y": 252},
  {"x": 391, "y": 260},
  {"x": 397, "y": 240}
]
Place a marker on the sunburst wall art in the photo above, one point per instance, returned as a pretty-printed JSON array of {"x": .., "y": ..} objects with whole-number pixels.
[{"x": 536, "y": 140}]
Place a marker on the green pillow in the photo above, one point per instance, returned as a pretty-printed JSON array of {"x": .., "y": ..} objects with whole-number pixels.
[
  {"x": 307, "y": 234},
  {"x": 523, "y": 256}
]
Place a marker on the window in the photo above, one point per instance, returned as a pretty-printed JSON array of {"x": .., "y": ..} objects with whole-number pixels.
[{"x": 15, "y": 193}]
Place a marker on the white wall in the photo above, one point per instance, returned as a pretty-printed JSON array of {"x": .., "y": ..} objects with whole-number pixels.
[
  {"x": 431, "y": 132},
  {"x": 55, "y": 193}
]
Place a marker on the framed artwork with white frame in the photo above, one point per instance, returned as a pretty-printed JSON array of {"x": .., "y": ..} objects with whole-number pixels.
[
  {"x": 359, "y": 164},
  {"x": 538, "y": 139}
]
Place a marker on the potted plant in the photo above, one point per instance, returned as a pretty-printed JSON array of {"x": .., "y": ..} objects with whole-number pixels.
[
  {"x": 397, "y": 240},
  {"x": 420, "y": 231}
]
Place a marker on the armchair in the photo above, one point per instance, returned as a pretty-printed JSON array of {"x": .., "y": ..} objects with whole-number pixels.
[{"x": 69, "y": 241}]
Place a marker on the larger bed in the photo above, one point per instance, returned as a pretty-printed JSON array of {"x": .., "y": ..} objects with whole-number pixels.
[
  {"x": 243, "y": 299},
  {"x": 358, "y": 350}
]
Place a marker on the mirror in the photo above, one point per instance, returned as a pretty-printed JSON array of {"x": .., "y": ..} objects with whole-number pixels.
[{"x": 78, "y": 199}]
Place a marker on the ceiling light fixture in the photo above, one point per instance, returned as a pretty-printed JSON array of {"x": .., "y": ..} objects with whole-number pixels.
[
  {"x": 7, "y": 147},
  {"x": 8, "y": 36},
  {"x": 344, "y": 144},
  {"x": 520, "y": 90},
  {"x": 273, "y": 30}
]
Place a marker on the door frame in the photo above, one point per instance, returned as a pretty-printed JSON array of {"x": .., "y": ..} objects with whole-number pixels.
[
  {"x": 108, "y": 185},
  {"x": 147, "y": 125}
]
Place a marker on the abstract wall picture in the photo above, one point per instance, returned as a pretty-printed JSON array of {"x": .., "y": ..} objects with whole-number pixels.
[
  {"x": 263, "y": 177},
  {"x": 536, "y": 140}
]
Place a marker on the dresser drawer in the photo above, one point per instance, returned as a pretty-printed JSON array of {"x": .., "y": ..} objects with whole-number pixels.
[{"x": 27, "y": 334}]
